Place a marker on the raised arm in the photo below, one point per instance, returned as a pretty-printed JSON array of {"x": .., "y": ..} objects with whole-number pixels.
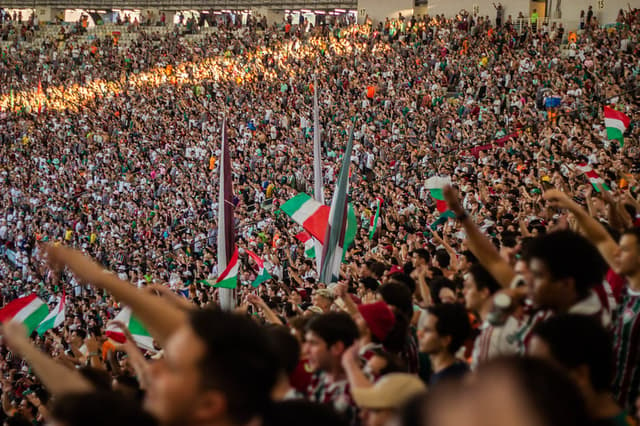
[
  {"x": 479, "y": 244},
  {"x": 161, "y": 318},
  {"x": 57, "y": 378},
  {"x": 594, "y": 231}
]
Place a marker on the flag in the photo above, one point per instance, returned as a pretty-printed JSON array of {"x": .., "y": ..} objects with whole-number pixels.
[
  {"x": 314, "y": 217},
  {"x": 442, "y": 219},
  {"x": 435, "y": 185},
  {"x": 374, "y": 222},
  {"x": 141, "y": 336},
  {"x": 594, "y": 178},
  {"x": 55, "y": 317},
  {"x": 308, "y": 213},
  {"x": 318, "y": 190},
  {"x": 227, "y": 251},
  {"x": 29, "y": 310},
  {"x": 334, "y": 241},
  {"x": 263, "y": 275},
  {"x": 616, "y": 123},
  {"x": 228, "y": 279},
  {"x": 309, "y": 246}
]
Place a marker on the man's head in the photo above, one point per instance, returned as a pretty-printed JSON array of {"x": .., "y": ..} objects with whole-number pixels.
[
  {"x": 379, "y": 402},
  {"x": 578, "y": 344},
  {"x": 98, "y": 408},
  {"x": 628, "y": 258},
  {"x": 218, "y": 366},
  {"x": 478, "y": 287},
  {"x": 420, "y": 257},
  {"x": 444, "y": 328},
  {"x": 327, "y": 337},
  {"x": 323, "y": 298},
  {"x": 564, "y": 268}
]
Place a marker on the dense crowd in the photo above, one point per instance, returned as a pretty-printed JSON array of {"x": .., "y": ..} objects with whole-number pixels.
[{"x": 529, "y": 282}]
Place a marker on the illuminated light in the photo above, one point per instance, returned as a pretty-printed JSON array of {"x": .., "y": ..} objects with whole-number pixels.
[
  {"x": 226, "y": 11},
  {"x": 320, "y": 12},
  {"x": 305, "y": 11},
  {"x": 287, "y": 11},
  {"x": 217, "y": 13},
  {"x": 340, "y": 10}
]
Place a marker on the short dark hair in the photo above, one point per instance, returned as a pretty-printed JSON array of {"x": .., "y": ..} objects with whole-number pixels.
[
  {"x": 404, "y": 279},
  {"x": 99, "y": 409},
  {"x": 548, "y": 391},
  {"x": 334, "y": 327},
  {"x": 453, "y": 321},
  {"x": 423, "y": 253},
  {"x": 437, "y": 284},
  {"x": 377, "y": 268},
  {"x": 399, "y": 296},
  {"x": 238, "y": 361},
  {"x": 443, "y": 258},
  {"x": 286, "y": 347},
  {"x": 569, "y": 255},
  {"x": 483, "y": 278},
  {"x": 576, "y": 340}
]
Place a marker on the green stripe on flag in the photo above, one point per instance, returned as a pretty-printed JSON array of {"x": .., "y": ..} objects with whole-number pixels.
[
  {"x": 613, "y": 133},
  {"x": 33, "y": 321},
  {"x": 437, "y": 193},
  {"x": 231, "y": 282},
  {"x": 294, "y": 204},
  {"x": 136, "y": 327}
]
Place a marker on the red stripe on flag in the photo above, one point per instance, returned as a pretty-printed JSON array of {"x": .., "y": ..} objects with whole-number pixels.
[
  {"x": 9, "y": 311},
  {"x": 441, "y": 206},
  {"x": 317, "y": 223}
]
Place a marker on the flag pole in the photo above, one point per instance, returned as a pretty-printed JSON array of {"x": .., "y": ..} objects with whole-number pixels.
[
  {"x": 226, "y": 237},
  {"x": 333, "y": 247},
  {"x": 318, "y": 190}
]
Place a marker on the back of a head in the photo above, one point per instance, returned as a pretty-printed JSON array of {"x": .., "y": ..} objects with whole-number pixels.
[
  {"x": 397, "y": 295},
  {"x": 334, "y": 327},
  {"x": 578, "y": 340},
  {"x": 567, "y": 254},
  {"x": 483, "y": 278},
  {"x": 548, "y": 391},
  {"x": 99, "y": 409},
  {"x": 286, "y": 347},
  {"x": 402, "y": 278},
  {"x": 443, "y": 258},
  {"x": 453, "y": 321},
  {"x": 238, "y": 359},
  {"x": 298, "y": 412}
]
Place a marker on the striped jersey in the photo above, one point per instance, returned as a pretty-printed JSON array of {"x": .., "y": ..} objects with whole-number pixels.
[
  {"x": 495, "y": 340},
  {"x": 626, "y": 332}
]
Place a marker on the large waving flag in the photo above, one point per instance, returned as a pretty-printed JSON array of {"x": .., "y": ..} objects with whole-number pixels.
[
  {"x": 308, "y": 213},
  {"x": 226, "y": 237},
  {"x": 141, "y": 336},
  {"x": 334, "y": 241},
  {"x": 29, "y": 310},
  {"x": 263, "y": 275},
  {"x": 228, "y": 279},
  {"x": 594, "y": 178},
  {"x": 55, "y": 317},
  {"x": 616, "y": 123},
  {"x": 308, "y": 241},
  {"x": 435, "y": 185}
]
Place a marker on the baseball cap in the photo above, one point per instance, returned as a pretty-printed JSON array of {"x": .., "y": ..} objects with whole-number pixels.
[
  {"x": 390, "y": 392},
  {"x": 379, "y": 318}
]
